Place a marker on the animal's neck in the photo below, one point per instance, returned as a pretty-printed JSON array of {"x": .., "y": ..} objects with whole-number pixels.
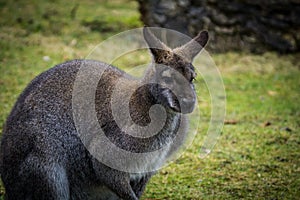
[
  {"x": 143, "y": 99},
  {"x": 140, "y": 102}
]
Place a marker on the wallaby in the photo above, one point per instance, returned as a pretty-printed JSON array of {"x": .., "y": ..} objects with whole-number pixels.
[{"x": 42, "y": 154}]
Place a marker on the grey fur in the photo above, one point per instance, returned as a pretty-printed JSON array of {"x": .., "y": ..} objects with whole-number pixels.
[{"x": 42, "y": 156}]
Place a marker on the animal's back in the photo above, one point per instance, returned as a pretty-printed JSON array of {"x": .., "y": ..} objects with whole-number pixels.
[{"x": 40, "y": 137}]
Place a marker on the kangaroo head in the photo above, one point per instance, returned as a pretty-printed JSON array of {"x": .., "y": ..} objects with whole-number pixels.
[{"x": 172, "y": 69}]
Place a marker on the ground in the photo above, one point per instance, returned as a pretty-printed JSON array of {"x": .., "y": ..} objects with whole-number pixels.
[{"x": 257, "y": 155}]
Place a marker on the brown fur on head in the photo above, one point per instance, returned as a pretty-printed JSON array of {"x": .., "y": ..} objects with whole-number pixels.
[{"x": 170, "y": 66}]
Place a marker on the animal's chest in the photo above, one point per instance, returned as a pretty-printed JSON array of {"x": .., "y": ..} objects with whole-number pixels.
[{"x": 161, "y": 146}]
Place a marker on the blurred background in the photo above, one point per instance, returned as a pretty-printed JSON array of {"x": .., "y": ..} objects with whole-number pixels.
[
  {"x": 254, "y": 25},
  {"x": 255, "y": 45}
]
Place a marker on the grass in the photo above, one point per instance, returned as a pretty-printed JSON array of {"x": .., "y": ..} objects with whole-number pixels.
[
  {"x": 256, "y": 158},
  {"x": 257, "y": 155}
]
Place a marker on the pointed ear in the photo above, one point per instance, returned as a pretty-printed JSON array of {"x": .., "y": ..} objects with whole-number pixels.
[
  {"x": 193, "y": 47},
  {"x": 157, "y": 48}
]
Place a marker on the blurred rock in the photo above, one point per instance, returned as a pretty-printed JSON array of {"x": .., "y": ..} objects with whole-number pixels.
[{"x": 253, "y": 25}]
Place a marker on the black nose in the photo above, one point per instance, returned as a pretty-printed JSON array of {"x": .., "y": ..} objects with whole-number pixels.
[{"x": 187, "y": 105}]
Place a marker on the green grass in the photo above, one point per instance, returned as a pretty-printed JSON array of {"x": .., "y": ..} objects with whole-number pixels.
[{"x": 252, "y": 160}]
